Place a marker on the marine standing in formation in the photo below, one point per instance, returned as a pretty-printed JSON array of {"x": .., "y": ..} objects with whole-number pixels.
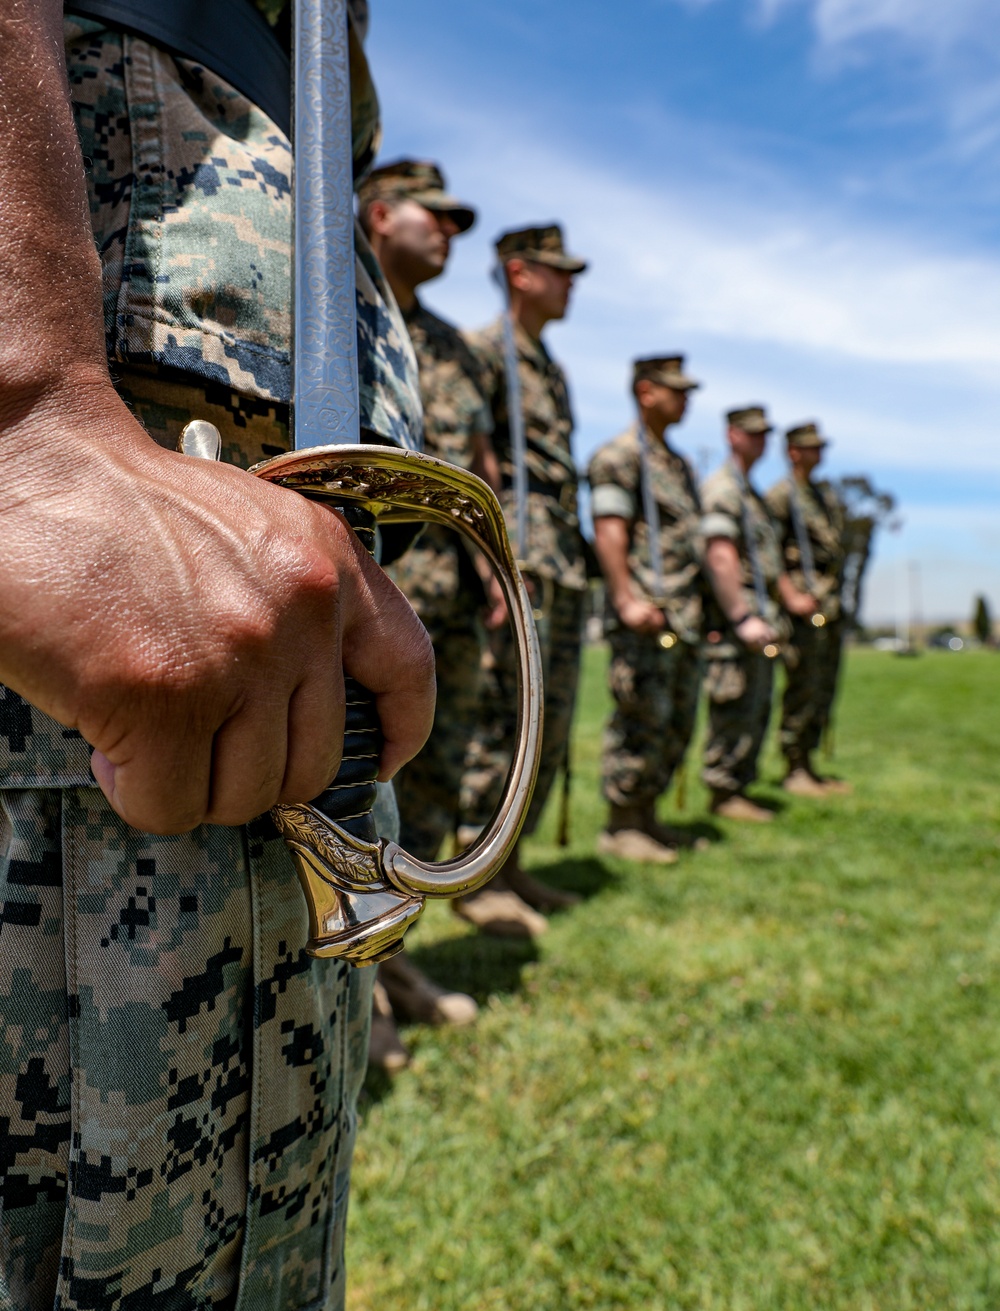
[
  {"x": 538, "y": 275},
  {"x": 410, "y": 219},
  {"x": 745, "y": 622},
  {"x": 654, "y": 609},
  {"x": 809, "y": 518}
]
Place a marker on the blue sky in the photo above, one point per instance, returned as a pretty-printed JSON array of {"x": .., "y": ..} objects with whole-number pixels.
[{"x": 802, "y": 195}]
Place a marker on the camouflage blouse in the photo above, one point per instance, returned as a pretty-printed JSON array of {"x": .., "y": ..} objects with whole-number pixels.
[
  {"x": 823, "y": 519},
  {"x": 451, "y": 387},
  {"x": 555, "y": 547},
  {"x": 615, "y": 476},
  {"x": 723, "y": 502},
  {"x": 437, "y": 571},
  {"x": 191, "y": 205}
]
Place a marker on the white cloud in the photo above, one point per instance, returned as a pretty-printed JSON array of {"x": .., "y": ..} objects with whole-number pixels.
[{"x": 932, "y": 25}]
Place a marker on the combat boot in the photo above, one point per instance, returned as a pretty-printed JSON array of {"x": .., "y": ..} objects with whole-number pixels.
[
  {"x": 801, "y": 783},
  {"x": 625, "y": 837},
  {"x": 385, "y": 1047},
  {"x": 500, "y": 913},
  {"x": 416, "y": 997},
  {"x": 738, "y": 806}
]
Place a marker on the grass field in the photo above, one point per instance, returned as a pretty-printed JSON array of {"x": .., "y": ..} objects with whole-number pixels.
[{"x": 766, "y": 1077}]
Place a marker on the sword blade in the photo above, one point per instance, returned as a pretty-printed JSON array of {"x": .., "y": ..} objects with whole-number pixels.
[
  {"x": 515, "y": 423},
  {"x": 650, "y": 511},
  {"x": 801, "y": 534},
  {"x": 324, "y": 345}
]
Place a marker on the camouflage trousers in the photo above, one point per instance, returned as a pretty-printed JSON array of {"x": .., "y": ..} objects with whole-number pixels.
[
  {"x": 812, "y": 664},
  {"x": 656, "y": 700},
  {"x": 436, "y": 580},
  {"x": 491, "y": 748},
  {"x": 739, "y": 706},
  {"x": 178, "y": 1079}
]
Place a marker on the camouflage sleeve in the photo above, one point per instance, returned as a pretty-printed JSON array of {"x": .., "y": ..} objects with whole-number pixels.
[
  {"x": 610, "y": 502},
  {"x": 614, "y": 483},
  {"x": 722, "y": 517}
]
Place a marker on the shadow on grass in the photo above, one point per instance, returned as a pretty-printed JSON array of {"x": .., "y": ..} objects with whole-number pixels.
[
  {"x": 777, "y": 804},
  {"x": 475, "y": 964},
  {"x": 695, "y": 832},
  {"x": 481, "y": 966},
  {"x": 376, "y": 1088},
  {"x": 587, "y": 875}
]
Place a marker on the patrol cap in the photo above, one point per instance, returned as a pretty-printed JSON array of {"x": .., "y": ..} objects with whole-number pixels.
[
  {"x": 542, "y": 245},
  {"x": 668, "y": 370},
  {"x": 751, "y": 419},
  {"x": 419, "y": 180},
  {"x": 805, "y": 436}
]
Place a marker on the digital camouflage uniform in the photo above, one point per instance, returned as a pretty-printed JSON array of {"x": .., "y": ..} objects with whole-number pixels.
[
  {"x": 178, "y": 1078},
  {"x": 555, "y": 566},
  {"x": 738, "y": 681},
  {"x": 654, "y": 682},
  {"x": 812, "y": 655},
  {"x": 441, "y": 583}
]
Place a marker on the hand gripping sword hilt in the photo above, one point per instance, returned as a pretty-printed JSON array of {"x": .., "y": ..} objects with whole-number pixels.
[{"x": 364, "y": 892}]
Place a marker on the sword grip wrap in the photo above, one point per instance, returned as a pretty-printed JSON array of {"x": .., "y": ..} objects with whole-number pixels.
[{"x": 349, "y": 799}]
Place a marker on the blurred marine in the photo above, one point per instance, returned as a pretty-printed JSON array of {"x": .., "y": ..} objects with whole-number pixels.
[
  {"x": 538, "y": 274},
  {"x": 743, "y": 620},
  {"x": 647, "y": 534},
  {"x": 809, "y": 518},
  {"x": 411, "y": 219}
]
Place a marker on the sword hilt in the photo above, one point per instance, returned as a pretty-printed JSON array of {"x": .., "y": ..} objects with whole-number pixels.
[{"x": 364, "y": 891}]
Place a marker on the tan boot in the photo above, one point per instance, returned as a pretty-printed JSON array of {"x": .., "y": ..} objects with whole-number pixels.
[
  {"x": 626, "y": 838},
  {"x": 413, "y": 995},
  {"x": 500, "y": 913},
  {"x": 385, "y": 1048},
  {"x": 734, "y": 805},
  {"x": 800, "y": 783}
]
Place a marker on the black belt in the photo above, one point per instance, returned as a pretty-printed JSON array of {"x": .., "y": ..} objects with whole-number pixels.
[{"x": 230, "y": 37}]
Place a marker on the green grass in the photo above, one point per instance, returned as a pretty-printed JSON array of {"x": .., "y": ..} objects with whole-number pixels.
[{"x": 766, "y": 1077}]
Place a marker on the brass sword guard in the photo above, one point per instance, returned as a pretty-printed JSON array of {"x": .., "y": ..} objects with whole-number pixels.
[{"x": 363, "y": 896}]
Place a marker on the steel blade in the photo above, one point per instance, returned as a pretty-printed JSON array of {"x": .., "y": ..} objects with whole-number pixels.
[{"x": 324, "y": 342}]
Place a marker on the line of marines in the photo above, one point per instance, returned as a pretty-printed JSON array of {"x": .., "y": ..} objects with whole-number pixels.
[{"x": 705, "y": 585}]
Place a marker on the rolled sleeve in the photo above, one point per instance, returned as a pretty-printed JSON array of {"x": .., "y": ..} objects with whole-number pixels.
[
  {"x": 608, "y": 501},
  {"x": 717, "y": 524}
]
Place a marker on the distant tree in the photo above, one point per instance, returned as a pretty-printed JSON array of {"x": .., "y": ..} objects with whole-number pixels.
[
  {"x": 866, "y": 509},
  {"x": 982, "y": 621}
]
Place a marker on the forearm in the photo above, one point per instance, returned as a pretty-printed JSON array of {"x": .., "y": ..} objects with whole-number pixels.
[
  {"x": 726, "y": 577},
  {"x": 796, "y": 602},
  {"x": 789, "y": 593},
  {"x": 49, "y": 271},
  {"x": 611, "y": 546}
]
